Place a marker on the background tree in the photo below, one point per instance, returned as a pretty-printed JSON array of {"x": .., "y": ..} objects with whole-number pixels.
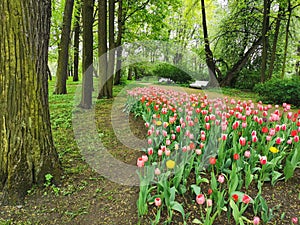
[
  {"x": 76, "y": 40},
  {"x": 63, "y": 50},
  {"x": 87, "y": 54},
  {"x": 27, "y": 152}
]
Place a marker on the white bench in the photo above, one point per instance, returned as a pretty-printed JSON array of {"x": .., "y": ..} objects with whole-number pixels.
[{"x": 199, "y": 84}]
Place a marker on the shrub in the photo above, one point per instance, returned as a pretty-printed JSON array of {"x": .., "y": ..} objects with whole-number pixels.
[
  {"x": 247, "y": 80},
  {"x": 169, "y": 71},
  {"x": 280, "y": 91}
]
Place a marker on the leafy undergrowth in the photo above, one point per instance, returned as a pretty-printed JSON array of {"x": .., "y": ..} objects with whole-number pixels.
[{"x": 86, "y": 197}]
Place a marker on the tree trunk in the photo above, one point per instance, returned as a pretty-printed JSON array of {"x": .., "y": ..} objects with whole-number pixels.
[
  {"x": 226, "y": 81},
  {"x": 121, "y": 22},
  {"x": 265, "y": 29},
  {"x": 76, "y": 41},
  {"x": 111, "y": 55},
  {"x": 102, "y": 48},
  {"x": 286, "y": 39},
  {"x": 297, "y": 65},
  {"x": 87, "y": 56},
  {"x": 130, "y": 72},
  {"x": 208, "y": 53},
  {"x": 274, "y": 46},
  {"x": 63, "y": 50},
  {"x": 27, "y": 152}
]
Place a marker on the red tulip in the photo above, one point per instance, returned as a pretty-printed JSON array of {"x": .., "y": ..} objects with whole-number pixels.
[
  {"x": 212, "y": 160},
  {"x": 236, "y": 156}
]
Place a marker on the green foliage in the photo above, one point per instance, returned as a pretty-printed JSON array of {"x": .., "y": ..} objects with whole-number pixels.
[
  {"x": 247, "y": 80},
  {"x": 280, "y": 90},
  {"x": 174, "y": 73}
]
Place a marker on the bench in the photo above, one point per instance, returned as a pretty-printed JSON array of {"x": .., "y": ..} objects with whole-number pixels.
[{"x": 199, "y": 84}]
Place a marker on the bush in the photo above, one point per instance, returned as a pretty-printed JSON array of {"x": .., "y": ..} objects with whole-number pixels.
[
  {"x": 280, "y": 90},
  {"x": 247, "y": 80},
  {"x": 169, "y": 71}
]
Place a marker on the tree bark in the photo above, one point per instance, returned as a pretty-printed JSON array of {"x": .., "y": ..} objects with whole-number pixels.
[
  {"x": 27, "y": 152},
  {"x": 274, "y": 46},
  {"x": 76, "y": 41},
  {"x": 102, "y": 48},
  {"x": 265, "y": 29},
  {"x": 111, "y": 55},
  {"x": 121, "y": 23},
  {"x": 87, "y": 56},
  {"x": 208, "y": 53},
  {"x": 286, "y": 38},
  {"x": 63, "y": 50}
]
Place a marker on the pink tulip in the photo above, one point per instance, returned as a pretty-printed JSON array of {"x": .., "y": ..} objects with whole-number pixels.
[
  {"x": 254, "y": 139},
  {"x": 296, "y": 138},
  {"x": 159, "y": 152},
  {"x": 263, "y": 160},
  {"x": 168, "y": 142},
  {"x": 268, "y": 138},
  {"x": 224, "y": 137},
  {"x": 157, "y": 171},
  {"x": 149, "y": 141},
  {"x": 178, "y": 129},
  {"x": 295, "y": 220},
  {"x": 198, "y": 151},
  {"x": 207, "y": 126},
  {"x": 278, "y": 140},
  {"x": 167, "y": 152},
  {"x": 173, "y": 136},
  {"x": 140, "y": 162},
  {"x": 200, "y": 199},
  {"x": 242, "y": 141},
  {"x": 150, "y": 151},
  {"x": 209, "y": 202},
  {"x": 247, "y": 154},
  {"x": 145, "y": 158},
  {"x": 157, "y": 202},
  {"x": 256, "y": 220},
  {"x": 221, "y": 178}
]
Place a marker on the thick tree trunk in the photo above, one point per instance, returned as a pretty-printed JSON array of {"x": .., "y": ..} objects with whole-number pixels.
[
  {"x": 265, "y": 44},
  {"x": 297, "y": 64},
  {"x": 27, "y": 152},
  {"x": 274, "y": 46},
  {"x": 226, "y": 81},
  {"x": 87, "y": 57},
  {"x": 102, "y": 48},
  {"x": 208, "y": 53},
  {"x": 63, "y": 50},
  {"x": 76, "y": 41}
]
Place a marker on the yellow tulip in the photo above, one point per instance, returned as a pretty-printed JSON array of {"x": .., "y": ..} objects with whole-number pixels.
[
  {"x": 274, "y": 150},
  {"x": 170, "y": 164}
]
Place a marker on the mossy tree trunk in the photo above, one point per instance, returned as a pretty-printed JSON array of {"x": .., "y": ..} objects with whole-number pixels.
[{"x": 27, "y": 152}]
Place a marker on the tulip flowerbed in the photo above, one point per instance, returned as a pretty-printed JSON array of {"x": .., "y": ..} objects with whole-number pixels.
[{"x": 223, "y": 146}]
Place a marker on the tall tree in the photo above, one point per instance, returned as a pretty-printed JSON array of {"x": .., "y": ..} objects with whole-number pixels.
[
  {"x": 76, "y": 40},
  {"x": 111, "y": 40},
  {"x": 208, "y": 53},
  {"x": 87, "y": 54},
  {"x": 102, "y": 47},
  {"x": 63, "y": 50},
  {"x": 27, "y": 152},
  {"x": 275, "y": 41},
  {"x": 265, "y": 44},
  {"x": 121, "y": 23}
]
